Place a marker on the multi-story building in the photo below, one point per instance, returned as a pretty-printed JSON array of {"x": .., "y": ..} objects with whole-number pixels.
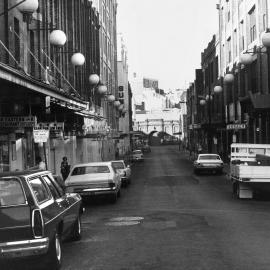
[
  {"x": 45, "y": 61},
  {"x": 236, "y": 89},
  {"x": 194, "y": 136},
  {"x": 245, "y": 69},
  {"x": 124, "y": 98},
  {"x": 108, "y": 54},
  {"x": 211, "y": 100}
]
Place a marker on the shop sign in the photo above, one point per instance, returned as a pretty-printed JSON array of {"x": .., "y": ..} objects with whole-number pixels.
[
  {"x": 18, "y": 121},
  {"x": 41, "y": 135},
  {"x": 236, "y": 126},
  {"x": 56, "y": 129}
]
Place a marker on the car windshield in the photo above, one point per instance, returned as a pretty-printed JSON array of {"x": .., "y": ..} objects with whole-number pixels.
[
  {"x": 118, "y": 165},
  {"x": 137, "y": 152},
  {"x": 212, "y": 157},
  {"x": 11, "y": 192},
  {"x": 90, "y": 170}
]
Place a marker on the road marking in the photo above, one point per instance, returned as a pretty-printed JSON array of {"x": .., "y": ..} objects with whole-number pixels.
[{"x": 124, "y": 221}]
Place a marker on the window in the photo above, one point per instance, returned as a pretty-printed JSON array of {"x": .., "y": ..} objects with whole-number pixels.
[
  {"x": 118, "y": 165},
  {"x": 234, "y": 43},
  {"x": 90, "y": 170},
  {"x": 52, "y": 188},
  {"x": 11, "y": 192},
  {"x": 17, "y": 50},
  {"x": 212, "y": 157},
  {"x": 241, "y": 36},
  {"x": 252, "y": 25},
  {"x": 40, "y": 191},
  {"x": 229, "y": 50}
]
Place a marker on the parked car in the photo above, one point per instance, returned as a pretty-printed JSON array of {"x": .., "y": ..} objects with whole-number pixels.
[
  {"x": 208, "y": 162},
  {"x": 95, "y": 178},
  {"x": 36, "y": 214},
  {"x": 146, "y": 148},
  {"x": 137, "y": 155},
  {"x": 124, "y": 171}
]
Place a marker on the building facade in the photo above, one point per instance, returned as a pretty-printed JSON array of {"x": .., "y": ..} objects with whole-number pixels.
[
  {"x": 47, "y": 108},
  {"x": 246, "y": 83},
  {"x": 124, "y": 97}
]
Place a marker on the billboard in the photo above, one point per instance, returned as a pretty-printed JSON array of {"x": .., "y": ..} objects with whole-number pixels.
[{"x": 150, "y": 83}]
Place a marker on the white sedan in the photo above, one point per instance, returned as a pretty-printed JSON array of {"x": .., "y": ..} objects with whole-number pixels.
[
  {"x": 95, "y": 178},
  {"x": 208, "y": 162},
  {"x": 125, "y": 171}
]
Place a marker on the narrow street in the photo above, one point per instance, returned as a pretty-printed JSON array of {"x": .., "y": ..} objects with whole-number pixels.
[{"x": 168, "y": 218}]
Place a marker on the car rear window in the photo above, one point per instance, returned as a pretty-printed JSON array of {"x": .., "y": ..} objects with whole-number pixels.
[
  {"x": 213, "y": 157},
  {"x": 118, "y": 165},
  {"x": 137, "y": 152},
  {"x": 90, "y": 170},
  {"x": 11, "y": 192}
]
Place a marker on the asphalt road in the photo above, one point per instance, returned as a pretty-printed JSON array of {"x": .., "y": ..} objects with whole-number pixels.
[{"x": 168, "y": 218}]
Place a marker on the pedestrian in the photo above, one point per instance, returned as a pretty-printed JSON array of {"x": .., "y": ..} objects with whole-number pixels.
[
  {"x": 40, "y": 164},
  {"x": 65, "y": 168}
]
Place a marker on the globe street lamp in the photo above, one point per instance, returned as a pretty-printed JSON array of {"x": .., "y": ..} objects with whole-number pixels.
[
  {"x": 77, "y": 59},
  {"x": 57, "y": 38}
]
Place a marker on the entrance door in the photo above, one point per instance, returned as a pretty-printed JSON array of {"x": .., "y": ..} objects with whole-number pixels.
[{"x": 4, "y": 156}]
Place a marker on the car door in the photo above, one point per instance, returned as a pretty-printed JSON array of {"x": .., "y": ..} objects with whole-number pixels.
[
  {"x": 61, "y": 202},
  {"x": 73, "y": 201},
  {"x": 51, "y": 211}
]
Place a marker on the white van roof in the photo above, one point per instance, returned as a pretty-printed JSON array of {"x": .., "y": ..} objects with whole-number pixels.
[{"x": 250, "y": 145}]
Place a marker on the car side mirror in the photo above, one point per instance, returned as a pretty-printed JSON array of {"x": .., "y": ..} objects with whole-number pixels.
[{"x": 128, "y": 166}]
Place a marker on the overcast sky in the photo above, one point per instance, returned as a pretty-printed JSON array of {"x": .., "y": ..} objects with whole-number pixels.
[{"x": 165, "y": 39}]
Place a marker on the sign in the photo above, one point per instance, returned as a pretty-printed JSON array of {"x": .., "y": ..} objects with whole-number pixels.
[
  {"x": 56, "y": 129},
  {"x": 18, "y": 121},
  {"x": 41, "y": 135},
  {"x": 236, "y": 126},
  {"x": 50, "y": 125},
  {"x": 150, "y": 83},
  {"x": 48, "y": 104},
  {"x": 121, "y": 92}
]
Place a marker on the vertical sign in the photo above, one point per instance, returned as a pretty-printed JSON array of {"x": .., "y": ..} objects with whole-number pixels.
[{"x": 48, "y": 104}]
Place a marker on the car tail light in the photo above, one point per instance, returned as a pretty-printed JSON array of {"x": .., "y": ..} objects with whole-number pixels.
[
  {"x": 37, "y": 223},
  {"x": 111, "y": 184}
]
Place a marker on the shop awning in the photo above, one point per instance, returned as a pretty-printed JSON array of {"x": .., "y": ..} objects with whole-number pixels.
[{"x": 20, "y": 78}]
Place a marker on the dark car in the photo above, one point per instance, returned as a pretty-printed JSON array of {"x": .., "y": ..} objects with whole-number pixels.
[
  {"x": 146, "y": 148},
  {"x": 36, "y": 214}
]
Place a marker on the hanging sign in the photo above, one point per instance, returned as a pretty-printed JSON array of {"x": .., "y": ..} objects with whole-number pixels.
[
  {"x": 41, "y": 135},
  {"x": 17, "y": 121},
  {"x": 236, "y": 126}
]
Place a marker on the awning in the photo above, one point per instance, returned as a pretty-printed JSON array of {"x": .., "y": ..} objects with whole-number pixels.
[{"x": 20, "y": 78}]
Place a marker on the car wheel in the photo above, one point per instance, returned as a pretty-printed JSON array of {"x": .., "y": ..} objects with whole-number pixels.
[
  {"x": 76, "y": 234},
  {"x": 55, "y": 252}
]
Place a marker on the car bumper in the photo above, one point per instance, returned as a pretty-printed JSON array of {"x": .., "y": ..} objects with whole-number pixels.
[
  {"x": 97, "y": 191},
  {"x": 19, "y": 249},
  {"x": 209, "y": 167}
]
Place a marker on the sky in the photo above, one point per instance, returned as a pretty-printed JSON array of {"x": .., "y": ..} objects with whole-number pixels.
[{"x": 164, "y": 39}]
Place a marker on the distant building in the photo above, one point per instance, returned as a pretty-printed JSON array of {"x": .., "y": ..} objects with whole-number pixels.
[{"x": 124, "y": 97}]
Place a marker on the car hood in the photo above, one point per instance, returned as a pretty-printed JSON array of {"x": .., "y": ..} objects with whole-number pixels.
[{"x": 88, "y": 178}]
